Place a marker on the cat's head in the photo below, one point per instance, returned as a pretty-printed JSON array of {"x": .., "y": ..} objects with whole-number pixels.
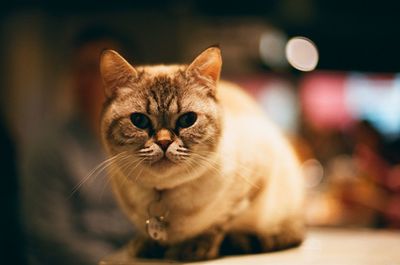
[{"x": 161, "y": 120}]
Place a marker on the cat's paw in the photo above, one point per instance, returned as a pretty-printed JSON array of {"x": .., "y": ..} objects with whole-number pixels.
[
  {"x": 291, "y": 235},
  {"x": 237, "y": 243},
  {"x": 240, "y": 243},
  {"x": 203, "y": 247}
]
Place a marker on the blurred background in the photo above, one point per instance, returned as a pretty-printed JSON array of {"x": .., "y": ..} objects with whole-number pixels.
[{"x": 343, "y": 117}]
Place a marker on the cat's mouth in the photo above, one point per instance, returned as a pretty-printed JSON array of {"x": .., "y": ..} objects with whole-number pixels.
[{"x": 157, "y": 158}]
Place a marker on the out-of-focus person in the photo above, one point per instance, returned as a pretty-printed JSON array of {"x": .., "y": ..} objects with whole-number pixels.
[{"x": 67, "y": 217}]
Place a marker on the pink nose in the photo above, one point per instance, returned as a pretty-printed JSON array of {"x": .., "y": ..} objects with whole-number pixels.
[
  {"x": 163, "y": 138},
  {"x": 164, "y": 144}
]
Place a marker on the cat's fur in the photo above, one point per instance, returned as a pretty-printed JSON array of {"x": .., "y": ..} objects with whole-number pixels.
[{"x": 231, "y": 182}]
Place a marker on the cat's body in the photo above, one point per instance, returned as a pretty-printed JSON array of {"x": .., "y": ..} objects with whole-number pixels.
[{"x": 232, "y": 173}]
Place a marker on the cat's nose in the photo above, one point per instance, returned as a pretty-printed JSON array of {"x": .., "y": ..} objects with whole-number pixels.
[
  {"x": 164, "y": 144},
  {"x": 163, "y": 138}
]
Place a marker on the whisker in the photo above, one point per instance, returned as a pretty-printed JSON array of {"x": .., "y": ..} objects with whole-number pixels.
[
  {"x": 183, "y": 155},
  {"x": 133, "y": 169},
  {"x": 213, "y": 164},
  {"x": 138, "y": 175},
  {"x": 125, "y": 162},
  {"x": 183, "y": 150},
  {"x": 144, "y": 155},
  {"x": 188, "y": 166},
  {"x": 127, "y": 166},
  {"x": 145, "y": 151},
  {"x": 98, "y": 168}
]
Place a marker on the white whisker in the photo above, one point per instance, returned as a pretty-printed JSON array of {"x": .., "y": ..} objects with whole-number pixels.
[{"x": 98, "y": 168}]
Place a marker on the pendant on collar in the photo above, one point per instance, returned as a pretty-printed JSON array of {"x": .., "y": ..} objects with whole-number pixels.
[
  {"x": 157, "y": 228},
  {"x": 156, "y": 225}
]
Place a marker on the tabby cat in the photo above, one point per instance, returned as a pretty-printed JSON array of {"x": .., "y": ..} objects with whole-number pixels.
[{"x": 196, "y": 166}]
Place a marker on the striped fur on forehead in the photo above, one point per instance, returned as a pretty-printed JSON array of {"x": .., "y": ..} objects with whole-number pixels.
[
  {"x": 158, "y": 83},
  {"x": 164, "y": 93},
  {"x": 162, "y": 88},
  {"x": 167, "y": 89}
]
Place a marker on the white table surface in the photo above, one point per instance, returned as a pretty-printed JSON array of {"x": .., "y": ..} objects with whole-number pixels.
[{"x": 322, "y": 247}]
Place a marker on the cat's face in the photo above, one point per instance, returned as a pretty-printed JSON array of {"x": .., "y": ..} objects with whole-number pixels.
[{"x": 162, "y": 120}]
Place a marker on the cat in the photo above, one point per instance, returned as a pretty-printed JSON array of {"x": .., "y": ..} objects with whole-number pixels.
[{"x": 196, "y": 165}]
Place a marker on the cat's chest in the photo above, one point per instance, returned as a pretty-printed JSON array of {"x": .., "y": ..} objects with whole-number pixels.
[
  {"x": 184, "y": 202},
  {"x": 191, "y": 215},
  {"x": 184, "y": 210}
]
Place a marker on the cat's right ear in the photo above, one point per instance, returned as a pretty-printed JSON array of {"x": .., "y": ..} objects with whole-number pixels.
[
  {"x": 207, "y": 65},
  {"x": 115, "y": 71}
]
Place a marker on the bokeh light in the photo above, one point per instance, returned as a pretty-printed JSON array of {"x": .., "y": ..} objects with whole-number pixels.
[{"x": 302, "y": 54}]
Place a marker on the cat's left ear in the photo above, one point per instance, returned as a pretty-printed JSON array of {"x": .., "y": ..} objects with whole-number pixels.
[
  {"x": 115, "y": 71},
  {"x": 207, "y": 65}
]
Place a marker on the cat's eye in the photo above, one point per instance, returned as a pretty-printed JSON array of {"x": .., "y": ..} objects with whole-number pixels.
[
  {"x": 186, "y": 120},
  {"x": 140, "y": 120}
]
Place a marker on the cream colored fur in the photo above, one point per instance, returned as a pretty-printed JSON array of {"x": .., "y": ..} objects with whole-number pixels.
[{"x": 252, "y": 157}]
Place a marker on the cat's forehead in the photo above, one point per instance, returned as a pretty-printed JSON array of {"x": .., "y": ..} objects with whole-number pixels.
[
  {"x": 159, "y": 90},
  {"x": 162, "y": 85},
  {"x": 161, "y": 80},
  {"x": 156, "y": 70}
]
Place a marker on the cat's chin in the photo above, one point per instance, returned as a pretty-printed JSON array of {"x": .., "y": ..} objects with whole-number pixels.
[
  {"x": 162, "y": 164},
  {"x": 166, "y": 174},
  {"x": 164, "y": 168}
]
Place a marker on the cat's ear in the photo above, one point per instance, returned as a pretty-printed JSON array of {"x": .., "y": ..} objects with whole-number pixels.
[
  {"x": 207, "y": 65},
  {"x": 115, "y": 71}
]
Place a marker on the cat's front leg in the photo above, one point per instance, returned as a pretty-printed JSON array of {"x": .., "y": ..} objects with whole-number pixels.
[
  {"x": 203, "y": 247},
  {"x": 289, "y": 235}
]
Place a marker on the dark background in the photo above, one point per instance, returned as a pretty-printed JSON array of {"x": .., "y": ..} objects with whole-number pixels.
[{"x": 351, "y": 35}]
